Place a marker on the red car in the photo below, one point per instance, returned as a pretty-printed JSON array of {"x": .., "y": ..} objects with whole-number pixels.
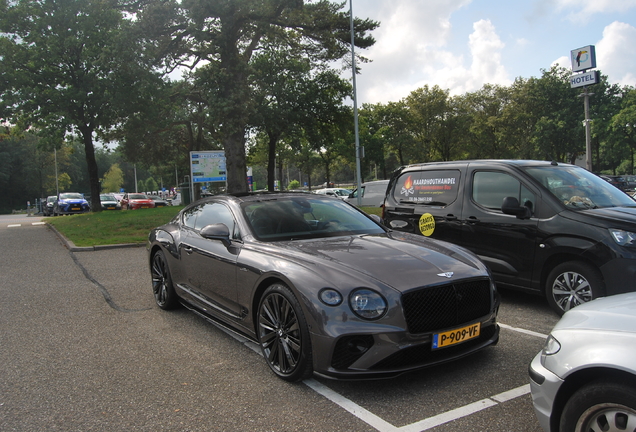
[{"x": 133, "y": 201}]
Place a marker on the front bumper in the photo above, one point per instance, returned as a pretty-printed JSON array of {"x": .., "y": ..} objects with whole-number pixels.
[
  {"x": 391, "y": 353},
  {"x": 544, "y": 386},
  {"x": 72, "y": 209}
]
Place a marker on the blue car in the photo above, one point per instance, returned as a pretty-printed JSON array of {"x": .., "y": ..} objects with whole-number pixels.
[{"x": 70, "y": 203}]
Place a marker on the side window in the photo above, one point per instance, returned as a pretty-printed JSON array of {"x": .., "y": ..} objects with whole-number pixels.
[
  {"x": 212, "y": 213},
  {"x": 434, "y": 187},
  {"x": 190, "y": 215},
  {"x": 490, "y": 188}
]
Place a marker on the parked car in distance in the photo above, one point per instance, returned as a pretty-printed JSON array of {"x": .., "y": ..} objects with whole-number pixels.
[
  {"x": 630, "y": 182},
  {"x": 159, "y": 202},
  {"x": 109, "y": 202},
  {"x": 135, "y": 201},
  {"x": 322, "y": 286},
  {"x": 70, "y": 203},
  {"x": 545, "y": 227},
  {"x": 615, "y": 180},
  {"x": 372, "y": 194},
  {"x": 584, "y": 379},
  {"x": 336, "y": 192},
  {"x": 48, "y": 205}
]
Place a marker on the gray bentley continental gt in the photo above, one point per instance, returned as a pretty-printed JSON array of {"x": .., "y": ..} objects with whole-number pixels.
[{"x": 323, "y": 287}]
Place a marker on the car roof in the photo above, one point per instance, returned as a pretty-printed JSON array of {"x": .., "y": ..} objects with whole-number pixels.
[
  {"x": 487, "y": 162},
  {"x": 260, "y": 196}
]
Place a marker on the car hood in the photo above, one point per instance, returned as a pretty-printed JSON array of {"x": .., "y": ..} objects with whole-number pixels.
[
  {"x": 612, "y": 214},
  {"x": 402, "y": 261},
  {"x": 615, "y": 313}
]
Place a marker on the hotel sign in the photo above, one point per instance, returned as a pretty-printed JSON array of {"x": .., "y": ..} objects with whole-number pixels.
[
  {"x": 583, "y": 59},
  {"x": 584, "y": 79}
]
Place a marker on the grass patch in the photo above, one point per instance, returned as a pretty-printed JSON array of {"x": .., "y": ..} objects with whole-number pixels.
[
  {"x": 112, "y": 227},
  {"x": 121, "y": 227}
]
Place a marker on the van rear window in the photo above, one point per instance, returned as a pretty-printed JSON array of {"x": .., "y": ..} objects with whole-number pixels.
[{"x": 436, "y": 188}]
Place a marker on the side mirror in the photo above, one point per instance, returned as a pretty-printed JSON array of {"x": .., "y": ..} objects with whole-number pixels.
[
  {"x": 511, "y": 206},
  {"x": 217, "y": 231}
]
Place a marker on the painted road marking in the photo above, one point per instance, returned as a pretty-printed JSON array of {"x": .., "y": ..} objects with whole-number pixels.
[
  {"x": 19, "y": 225},
  {"x": 431, "y": 422}
]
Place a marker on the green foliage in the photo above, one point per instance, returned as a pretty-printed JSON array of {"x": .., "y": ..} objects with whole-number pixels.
[
  {"x": 294, "y": 184},
  {"x": 113, "y": 179},
  {"x": 151, "y": 185}
]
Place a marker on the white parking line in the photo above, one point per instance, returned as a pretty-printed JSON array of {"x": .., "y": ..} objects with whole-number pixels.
[
  {"x": 382, "y": 425},
  {"x": 19, "y": 225},
  {"x": 524, "y": 331},
  {"x": 355, "y": 409},
  {"x": 431, "y": 422}
]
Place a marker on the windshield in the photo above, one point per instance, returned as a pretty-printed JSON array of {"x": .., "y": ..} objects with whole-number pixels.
[
  {"x": 579, "y": 189},
  {"x": 137, "y": 197},
  {"x": 107, "y": 198},
  {"x": 288, "y": 218}
]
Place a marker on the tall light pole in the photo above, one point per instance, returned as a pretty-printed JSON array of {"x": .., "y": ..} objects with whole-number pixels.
[
  {"x": 355, "y": 104},
  {"x": 57, "y": 183}
]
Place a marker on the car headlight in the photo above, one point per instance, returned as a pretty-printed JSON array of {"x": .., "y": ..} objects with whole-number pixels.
[
  {"x": 551, "y": 347},
  {"x": 330, "y": 297},
  {"x": 367, "y": 304},
  {"x": 622, "y": 237}
]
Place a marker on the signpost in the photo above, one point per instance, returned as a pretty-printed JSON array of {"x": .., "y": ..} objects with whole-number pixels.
[
  {"x": 207, "y": 166},
  {"x": 583, "y": 59}
]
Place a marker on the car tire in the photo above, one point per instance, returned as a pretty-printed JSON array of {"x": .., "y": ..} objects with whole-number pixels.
[
  {"x": 600, "y": 405},
  {"x": 283, "y": 334},
  {"x": 162, "y": 288},
  {"x": 572, "y": 283}
]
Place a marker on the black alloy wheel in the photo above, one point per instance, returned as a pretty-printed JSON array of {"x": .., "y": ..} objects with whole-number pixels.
[
  {"x": 283, "y": 334},
  {"x": 162, "y": 288}
]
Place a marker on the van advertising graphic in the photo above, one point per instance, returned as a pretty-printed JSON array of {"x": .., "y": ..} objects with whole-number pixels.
[{"x": 429, "y": 187}]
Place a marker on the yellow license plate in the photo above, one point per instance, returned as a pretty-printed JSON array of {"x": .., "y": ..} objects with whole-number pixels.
[
  {"x": 144, "y": 207},
  {"x": 452, "y": 337},
  {"x": 75, "y": 208}
]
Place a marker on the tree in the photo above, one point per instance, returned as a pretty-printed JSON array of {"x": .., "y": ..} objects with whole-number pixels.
[
  {"x": 113, "y": 179},
  {"x": 221, "y": 37},
  {"x": 71, "y": 67}
]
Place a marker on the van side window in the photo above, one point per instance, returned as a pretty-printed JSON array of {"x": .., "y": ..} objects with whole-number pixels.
[
  {"x": 432, "y": 187},
  {"x": 490, "y": 188}
]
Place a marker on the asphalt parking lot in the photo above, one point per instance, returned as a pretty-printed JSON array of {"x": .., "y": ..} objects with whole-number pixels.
[{"x": 83, "y": 347}]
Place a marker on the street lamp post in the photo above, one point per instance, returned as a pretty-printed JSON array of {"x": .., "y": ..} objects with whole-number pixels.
[{"x": 355, "y": 104}]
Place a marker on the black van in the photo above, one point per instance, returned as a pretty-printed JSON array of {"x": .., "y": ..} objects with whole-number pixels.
[{"x": 546, "y": 227}]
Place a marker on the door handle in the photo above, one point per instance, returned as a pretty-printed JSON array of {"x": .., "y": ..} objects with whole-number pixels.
[
  {"x": 187, "y": 250},
  {"x": 472, "y": 220},
  {"x": 451, "y": 217}
]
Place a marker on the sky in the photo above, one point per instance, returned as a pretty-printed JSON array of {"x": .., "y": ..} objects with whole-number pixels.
[{"x": 460, "y": 45}]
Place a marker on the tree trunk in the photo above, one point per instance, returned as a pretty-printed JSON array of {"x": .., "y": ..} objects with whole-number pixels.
[
  {"x": 93, "y": 175},
  {"x": 236, "y": 166},
  {"x": 271, "y": 160}
]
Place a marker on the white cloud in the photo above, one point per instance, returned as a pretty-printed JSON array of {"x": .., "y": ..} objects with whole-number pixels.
[
  {"x": 411, "y": 39},
  {"x": 613, "y": 53},
  {"x": 584, "y": 9}
]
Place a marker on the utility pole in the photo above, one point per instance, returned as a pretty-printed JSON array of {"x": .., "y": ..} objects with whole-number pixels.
[{"x": 355, "y": 105}]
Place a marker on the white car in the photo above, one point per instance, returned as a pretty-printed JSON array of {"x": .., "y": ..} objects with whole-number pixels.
[
  {"x": 337, "y": 192},
  {"x": 584, "y": 379}
]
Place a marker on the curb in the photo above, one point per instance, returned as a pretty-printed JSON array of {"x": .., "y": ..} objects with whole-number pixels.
[{"x": 71, "y": 246}]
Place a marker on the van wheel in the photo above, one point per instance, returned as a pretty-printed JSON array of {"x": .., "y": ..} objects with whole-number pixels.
[{"x": 571, "y": 283}]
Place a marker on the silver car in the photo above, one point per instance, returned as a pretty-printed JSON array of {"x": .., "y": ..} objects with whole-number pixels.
[{"x": 584, "y": 379}]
